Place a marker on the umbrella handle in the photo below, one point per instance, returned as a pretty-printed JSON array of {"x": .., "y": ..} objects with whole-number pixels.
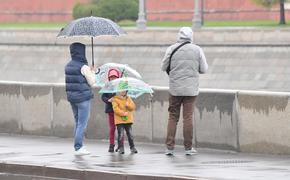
[
  {"x": 98, "y": 71},
  {"x": 122, "y": 72},
  {"x": 93, "y": 62}
]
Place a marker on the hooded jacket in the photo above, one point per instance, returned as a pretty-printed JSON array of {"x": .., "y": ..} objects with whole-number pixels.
[
  {"x": 77, "y": 87},
  {"x": 107, "y": 96},
  {"x": 186, "y": 65},
  {"x": 119, "y": 106}
]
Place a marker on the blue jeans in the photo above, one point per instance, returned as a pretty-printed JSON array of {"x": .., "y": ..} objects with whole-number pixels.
[{"x": 81, "y": 113}]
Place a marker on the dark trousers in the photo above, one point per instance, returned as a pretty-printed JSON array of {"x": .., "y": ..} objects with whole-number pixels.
[
  {"x": 175, "y": 103},
  {"x": 128, "y": 129}
]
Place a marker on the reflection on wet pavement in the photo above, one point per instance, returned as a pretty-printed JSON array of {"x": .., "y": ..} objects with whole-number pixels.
[{"x": 150, "y": 160}]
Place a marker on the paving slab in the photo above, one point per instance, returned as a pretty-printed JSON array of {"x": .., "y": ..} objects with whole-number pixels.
[{"x": 52, "y": 158}]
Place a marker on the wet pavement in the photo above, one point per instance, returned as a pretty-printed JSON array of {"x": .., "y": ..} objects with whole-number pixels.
[{"x": 54, "y": 152}]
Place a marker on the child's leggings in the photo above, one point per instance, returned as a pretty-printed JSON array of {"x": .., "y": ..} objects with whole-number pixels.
[
  {"x": 112, "y": 128},
  {"x": 128, "y": 128}
]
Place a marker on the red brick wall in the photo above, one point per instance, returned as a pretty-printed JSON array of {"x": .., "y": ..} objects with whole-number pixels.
[
  {"x": 37, "y": 10},
  {"x": 61, "y": 10},
  {"x": 214, "y": 10},
  {"x": 167, "y": 9}
]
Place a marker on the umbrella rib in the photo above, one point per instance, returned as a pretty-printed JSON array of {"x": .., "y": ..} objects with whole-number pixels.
[
  {"x": 110, "y": 23},
  {"x": 70, "y": 29}
]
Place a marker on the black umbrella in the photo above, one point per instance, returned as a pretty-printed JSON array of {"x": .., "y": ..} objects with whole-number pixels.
[{"x": 92, "y": 27}]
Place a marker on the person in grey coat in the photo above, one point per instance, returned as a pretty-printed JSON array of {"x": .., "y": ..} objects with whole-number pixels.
[{"x": 186, "y": 63}]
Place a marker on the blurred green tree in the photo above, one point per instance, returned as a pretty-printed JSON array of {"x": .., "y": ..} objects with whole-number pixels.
[
  {"x": 84, "y": 10},
  {"x": 270, "y": 3},
  {"x": 115, "y": 10}
]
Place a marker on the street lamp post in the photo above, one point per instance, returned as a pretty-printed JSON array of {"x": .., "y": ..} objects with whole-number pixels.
[
  {"x": 202, "y": 12},
  {"x": 197, "y": 17},
  {"x": 141, "y": 22}
]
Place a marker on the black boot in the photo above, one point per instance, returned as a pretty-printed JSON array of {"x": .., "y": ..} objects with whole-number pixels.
[
  {"x": 121, "y": 150},
  {"x": 111, "y": 148},
  {"x": 117, "y": 149},
  {"x": 133, "y": 150}
]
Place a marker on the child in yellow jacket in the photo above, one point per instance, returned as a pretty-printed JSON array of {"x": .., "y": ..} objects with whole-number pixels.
[{"x": 123, "y": 107}]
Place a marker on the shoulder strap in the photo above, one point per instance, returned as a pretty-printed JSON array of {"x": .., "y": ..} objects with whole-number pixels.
[{"x": 168, "y": 68}]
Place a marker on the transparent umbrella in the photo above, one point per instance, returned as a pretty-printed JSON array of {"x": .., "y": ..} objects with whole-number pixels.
[
  {"x": 134, "y": 87},
  {"x": 124, "y": 69}
]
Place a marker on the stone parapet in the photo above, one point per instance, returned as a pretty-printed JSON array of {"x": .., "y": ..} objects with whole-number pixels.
[{"x": 245, "y": 121}]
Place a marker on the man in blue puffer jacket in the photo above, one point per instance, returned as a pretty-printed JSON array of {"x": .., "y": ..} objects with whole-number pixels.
[{"x": 79, "y": 78}]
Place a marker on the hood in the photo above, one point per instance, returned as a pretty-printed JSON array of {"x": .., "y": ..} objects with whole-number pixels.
[
  {"x": 78, "y": 52},
  {"x": 185, "y": 34}
]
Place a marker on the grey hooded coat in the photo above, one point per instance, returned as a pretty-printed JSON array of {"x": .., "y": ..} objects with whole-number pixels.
[{"x": 186, "y": 65}]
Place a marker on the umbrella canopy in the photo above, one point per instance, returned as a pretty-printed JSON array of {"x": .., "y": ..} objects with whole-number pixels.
[
  {"x": 135, "y": 87},
  {"x": 92, "y": 27},
  {"x": 124, "y": 70}
]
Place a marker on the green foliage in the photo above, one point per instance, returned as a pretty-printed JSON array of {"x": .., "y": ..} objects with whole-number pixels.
[
  {"x": 46, "y": 25},
  {"x": 266, "y": 3},
  {"x": 95, "y": 1},
  {"x": 84, "y": 10},
  {"x": 115, "y": 10},
  {"x": 127, "y": 23}
]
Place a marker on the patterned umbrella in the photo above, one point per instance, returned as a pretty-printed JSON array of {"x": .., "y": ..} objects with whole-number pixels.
[
  {"x": 135, "y": 87},
  {"x": 124, "y": 69},
  {"x": 93, "y": 27}
]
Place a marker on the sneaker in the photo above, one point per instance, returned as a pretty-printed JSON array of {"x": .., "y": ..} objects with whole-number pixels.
[
  {"x": 133, "y": 150},
  {"x": 82, "y": 151},
  {"x": 169, "y": 152},
  {"x": 111, "y": 148},
  {"x": 190, "y": 152},
  {"x": 121, "y": 150}
]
